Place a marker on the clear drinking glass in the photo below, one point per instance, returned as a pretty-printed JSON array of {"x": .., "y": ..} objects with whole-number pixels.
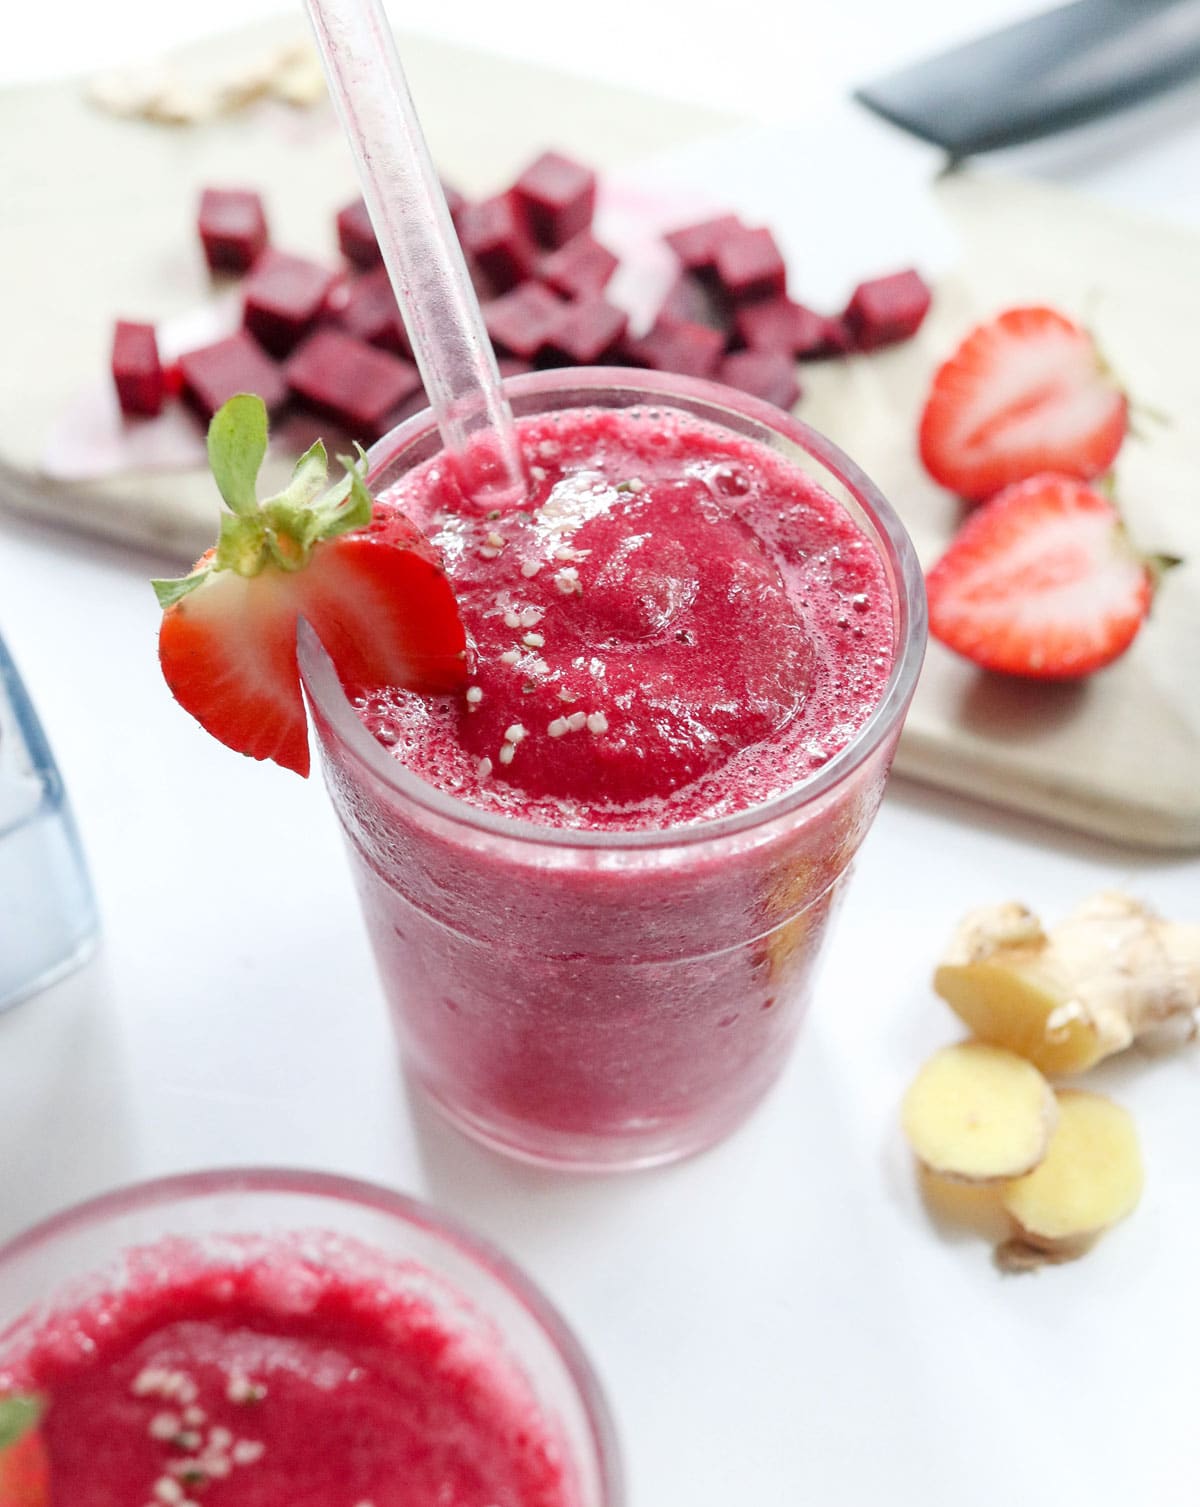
[
  {"x": 47, "y": 913},
  {"x": 600, "y": 1000},
  {"x": 357, "y": 1228}
]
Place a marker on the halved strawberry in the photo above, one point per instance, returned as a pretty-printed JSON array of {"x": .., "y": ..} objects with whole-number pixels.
[
  {"x": 1042, "y": 581},
  {"x": 1025, "y": 393},
  {"x": 372, "y": 588},
  {"x": 24, "y": 1466}
]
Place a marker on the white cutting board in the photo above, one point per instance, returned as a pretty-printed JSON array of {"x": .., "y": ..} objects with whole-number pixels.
[{"x": 98, "y": 225}]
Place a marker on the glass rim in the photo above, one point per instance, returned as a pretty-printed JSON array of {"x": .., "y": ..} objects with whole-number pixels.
[
  {"x": 322, "y": 687},
  {"x": 156, "y": 1192}
]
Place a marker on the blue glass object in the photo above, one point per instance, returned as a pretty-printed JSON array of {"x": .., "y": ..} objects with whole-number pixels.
[{"x": 47, "y": 911}]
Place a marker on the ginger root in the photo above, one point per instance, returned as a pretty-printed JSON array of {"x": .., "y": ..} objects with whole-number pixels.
[
  {"x": 1090, "y": 1178},
  {"x": 1111, "y": 972},
  {"x": 979, "y": 1113}
]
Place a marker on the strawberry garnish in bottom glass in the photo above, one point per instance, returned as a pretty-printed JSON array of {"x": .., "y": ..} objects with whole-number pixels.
[
  {"x": 24, "y": 1468},
  {"x": 370, "y": 584}
]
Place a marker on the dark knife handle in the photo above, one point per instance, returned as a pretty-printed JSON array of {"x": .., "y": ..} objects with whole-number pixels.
[{"x": 1044, "y": 74}]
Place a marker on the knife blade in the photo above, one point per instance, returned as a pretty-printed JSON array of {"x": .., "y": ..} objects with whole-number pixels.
[{"x": 1042, "y": 75}]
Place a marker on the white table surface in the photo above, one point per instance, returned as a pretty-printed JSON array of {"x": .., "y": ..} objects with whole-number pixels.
[{"x": 777, "y": 1322}]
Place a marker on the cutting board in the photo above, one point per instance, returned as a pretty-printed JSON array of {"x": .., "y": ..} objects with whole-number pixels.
[{"x": 98, "y": 226}]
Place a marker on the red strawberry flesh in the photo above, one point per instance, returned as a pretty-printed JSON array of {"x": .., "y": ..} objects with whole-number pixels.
[
  {"x": 137, "y": 370},
  {"x": 1025, "y": 393},
  {"x": 214, "y": 373},
  {"x": 372, "y": 587},
  {"x": 1040, "y": 582},
  {"x": 233, "y": 228}
]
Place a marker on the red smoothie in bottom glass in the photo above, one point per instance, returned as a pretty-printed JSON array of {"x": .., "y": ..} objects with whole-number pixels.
[
  {"x": 677, "y": 627},
  {"x": 280, "y": 1383}
]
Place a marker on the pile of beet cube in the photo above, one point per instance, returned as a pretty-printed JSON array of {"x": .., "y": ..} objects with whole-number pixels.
[{"x": 331, "y": 341}]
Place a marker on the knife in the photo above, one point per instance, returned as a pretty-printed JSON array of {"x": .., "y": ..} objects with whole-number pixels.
[{"x": 1042, "y": 75}]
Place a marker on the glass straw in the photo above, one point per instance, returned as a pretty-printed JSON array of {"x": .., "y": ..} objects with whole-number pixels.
[{"x": 420, "y": 249}]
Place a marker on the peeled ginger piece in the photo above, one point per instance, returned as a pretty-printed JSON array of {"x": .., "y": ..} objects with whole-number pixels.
[
  {"x": 1067, "y": 998},
  {"x": 979, "y": 1113},
  {"x": 1090, "y": 1178}
]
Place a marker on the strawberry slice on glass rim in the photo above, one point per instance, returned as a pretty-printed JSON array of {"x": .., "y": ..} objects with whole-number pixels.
[{"x": 370, "y": 584}]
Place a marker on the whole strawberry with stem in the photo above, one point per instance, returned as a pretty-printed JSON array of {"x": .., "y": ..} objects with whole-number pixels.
[
  {"x": 24, "y": 1466},
  {"x": 368, "y": 582},
  {"x": 1024, "y": 393},
  {"x": 1042, "y": 581}
]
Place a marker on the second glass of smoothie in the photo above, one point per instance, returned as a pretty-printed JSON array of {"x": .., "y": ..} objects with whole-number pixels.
[{"x": 598, "y": 883}]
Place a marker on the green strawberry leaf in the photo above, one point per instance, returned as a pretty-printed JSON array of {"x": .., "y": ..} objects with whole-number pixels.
[
  {"x": 283, "y": 529},
  {"x": 19, "y": 1414},
  {"x": 310, "y": 474},
  {"x": 170, "y": 592},
  {"x": 237, "y": 445},
  {"x": 350, "y": 502}
]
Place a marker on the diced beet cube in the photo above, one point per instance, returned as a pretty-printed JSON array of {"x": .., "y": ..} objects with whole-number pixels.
[
  {"x": 749, "y": 265},
  {"x": 778, "y": 324},
  {"x": 770, "y": 375},
  {"x": 493, "y": 237},
  {"x": 283, "y": 297},
  {"x": 356, "y": 235},
  {"x": 214, "y": 373},
  {"x": 557, "y": 198},
  {"x": 590, "y": 332},
  {"x": 695, "y": 302},
  {"x": 351, "y": 382},
  {"x": 137, "y": 371},
  {"x": 371, "y": 313},
  {"x": 887, "y": 309},
  {"x": 581, "y": 267},
  {"x": 511, "y": 367},
  {"x": 691, "y": 350},
  {"x": 233, "y": 228},
  {"x": 523, "y": 321},
  {"x": 696, "y": 245}
]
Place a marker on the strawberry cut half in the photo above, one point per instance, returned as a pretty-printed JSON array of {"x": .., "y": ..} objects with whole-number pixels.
[
  {"x": 1025, "y": 393},
  {"x": 1042, "y": 582},
  {"x": 24, "y": 1464},
  {"x": 370, "y": 584}
]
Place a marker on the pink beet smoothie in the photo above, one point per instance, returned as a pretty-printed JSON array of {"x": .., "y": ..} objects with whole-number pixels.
[
  {"x": 281, "y": 1383},
  {"x": 676, "y": 628}
]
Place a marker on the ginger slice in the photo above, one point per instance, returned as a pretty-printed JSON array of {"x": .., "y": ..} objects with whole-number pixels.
[
  {"x": 1091, "y": 1177},
  {"x": 1065, "y": 999},
  {"x": 979, "y": 1113}
]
